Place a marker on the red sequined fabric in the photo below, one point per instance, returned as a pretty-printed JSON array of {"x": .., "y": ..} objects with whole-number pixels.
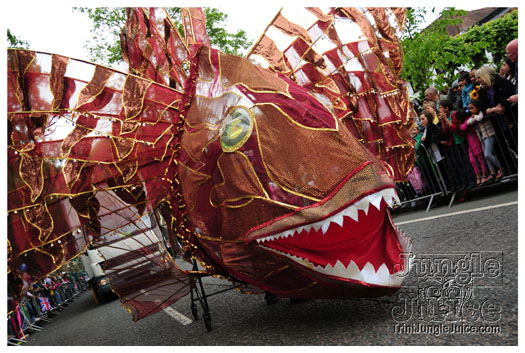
[
  {"x": 353, "y": 57},
  {"x": 193, "y": 150}
]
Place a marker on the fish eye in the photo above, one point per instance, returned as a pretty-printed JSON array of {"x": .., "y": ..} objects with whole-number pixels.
[{"x": 236, "y": 129}]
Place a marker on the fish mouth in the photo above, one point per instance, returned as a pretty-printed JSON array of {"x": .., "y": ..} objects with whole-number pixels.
[{"x": 356, "y": 243}]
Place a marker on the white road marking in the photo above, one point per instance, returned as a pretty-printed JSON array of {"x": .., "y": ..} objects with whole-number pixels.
[
  {"x": 178, "y": 316},
  {"x": 458, "y": 213}
]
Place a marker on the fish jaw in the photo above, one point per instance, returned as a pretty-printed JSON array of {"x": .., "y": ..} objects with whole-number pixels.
[{"x": 356, "y": 243}]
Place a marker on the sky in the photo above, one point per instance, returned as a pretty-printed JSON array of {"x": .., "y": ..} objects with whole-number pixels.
[{"x": 57, "y": 29}]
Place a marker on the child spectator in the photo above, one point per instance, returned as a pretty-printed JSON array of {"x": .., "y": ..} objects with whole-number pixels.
[
  {"x": 48, "y": 291},
  {"x": 487, "y": 132},
  {"x": 475, "y": 150},
  {"x": 55, "y": 290},
  {"x": 431, "y": 134},
  {"x": 414, "y": 176},
  {"x": 431, "y": 140},
  {"x": 430, "y": 107},
  {"x": 458, "y": 148}
]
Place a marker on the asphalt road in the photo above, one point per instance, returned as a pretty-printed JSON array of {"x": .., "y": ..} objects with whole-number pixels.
[{"x": 464, "y": 280}]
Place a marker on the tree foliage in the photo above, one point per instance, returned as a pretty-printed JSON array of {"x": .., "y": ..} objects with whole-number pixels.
[
  {"x": 425, "y": 53},
  {"x": 15, "y": 42},
  {"x": 433, "y": 58},
  {"x": 415, "y": 18},
  {"x": 104, "y": 47}
]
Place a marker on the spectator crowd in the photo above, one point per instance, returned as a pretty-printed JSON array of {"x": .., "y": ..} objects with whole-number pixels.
[
  {"x": 41, "y": 301},
  {"x": 467, "y": 137},
  {"x": 463, "y": 139}
]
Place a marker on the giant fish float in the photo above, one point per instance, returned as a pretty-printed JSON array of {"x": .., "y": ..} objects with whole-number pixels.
[{"x": 275, "y": 171}]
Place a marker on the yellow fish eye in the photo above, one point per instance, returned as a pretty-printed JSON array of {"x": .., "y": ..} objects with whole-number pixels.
[{"x": 236, "y": 128}]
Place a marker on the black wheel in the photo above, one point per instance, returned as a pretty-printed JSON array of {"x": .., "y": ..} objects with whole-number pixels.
[
  {"x": 270, "y": 299},
  {"x": 194, "y": 311},
  {"x": 207, "y": 321},
  {"x": 297, "y": 301},
  {"x": 95, "y": 295}
]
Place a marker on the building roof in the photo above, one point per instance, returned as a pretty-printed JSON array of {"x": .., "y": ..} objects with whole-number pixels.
[{"x": 476, "y": 17}]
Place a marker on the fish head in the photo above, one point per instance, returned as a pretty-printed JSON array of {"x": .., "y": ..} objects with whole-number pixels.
[{"x": 279, "y": 193}]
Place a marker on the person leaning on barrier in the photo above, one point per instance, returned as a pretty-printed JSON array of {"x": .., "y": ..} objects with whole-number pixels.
[
  {"x": 458, "y": 147},
  {"x": 446, "y": 146},
  {"x": 415, "y": 177},
  {"x": 512, "y": 54},
  {"x": 431, "y": 136},
  {"x": 494, "y": 99},
  {"x": 444, "y": 138},
  {"x": 495, "y": 91},
  {"x": 430, "y": 133},
  {"x": 423, "y": 160}
]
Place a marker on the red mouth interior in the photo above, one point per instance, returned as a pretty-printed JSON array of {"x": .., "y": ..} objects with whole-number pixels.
[{"x": 373, "y": 239}]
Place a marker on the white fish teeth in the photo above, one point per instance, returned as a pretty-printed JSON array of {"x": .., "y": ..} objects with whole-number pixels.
[
  {"x": 367, "y": 274},
  {"x": 339, "y": 219},
  {"x": 382, "y": 271},
  {"x": 338, "y": 269},
  {"x": 351, "y": 211},
  {"x": 317, "y": 226},
  {"x": 363, "y": 204},
  {"x": 405, "y": 241},
  {"x": 390, "y": 196},
  {"x": 396, "y": 197},
  {"x": 375, "y": 199}
]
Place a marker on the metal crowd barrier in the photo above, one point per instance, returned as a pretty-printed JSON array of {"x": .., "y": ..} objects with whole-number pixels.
[
  {"x": 23, "y": 320},
  {"x": 432, "y": 183},
  {"x": 455, "y": 174}
]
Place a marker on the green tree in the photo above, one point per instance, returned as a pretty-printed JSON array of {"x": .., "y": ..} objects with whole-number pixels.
[
  {"x": 415, "y": 18},
  {"x": 492, "y": 38},
  {"x": 15, "y": 42},
  {"x": 104, "y": 47},
  {"x": 433, "y": 58},
  {"x": 426, "y": 57}
]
